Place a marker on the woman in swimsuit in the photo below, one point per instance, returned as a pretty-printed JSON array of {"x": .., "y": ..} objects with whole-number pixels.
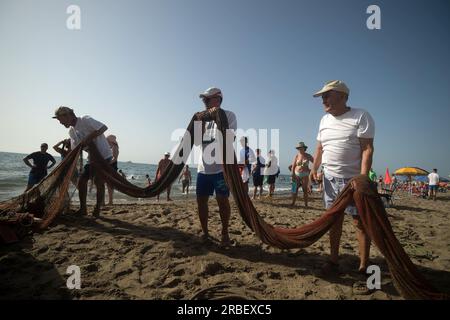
[{"x": 300, "y": 172}]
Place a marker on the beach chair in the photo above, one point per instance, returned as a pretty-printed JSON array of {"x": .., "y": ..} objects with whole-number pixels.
[{"x": 388, "y": 195}]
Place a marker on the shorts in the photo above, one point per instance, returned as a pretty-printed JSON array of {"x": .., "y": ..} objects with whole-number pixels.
[
  {"x": 35, "y": 177},
  {"x": 207, "y": 184},
  {"x": 185, "y": 183},
  {"x": 258, "y": 180},
  {"x": 331, "y": 188},
  {"x": 270, "y": 179},
  {"x": 89, "y": 172},
  {"x": 433, "y": 188},
  {"x": 301, "y": 175}
]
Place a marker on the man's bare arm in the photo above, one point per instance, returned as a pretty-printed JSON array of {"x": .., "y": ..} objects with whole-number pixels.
[
  {"x": 367, "y": 155},
  {"x": 317, "y": 161},
  {"x": 26, "y": 160}
]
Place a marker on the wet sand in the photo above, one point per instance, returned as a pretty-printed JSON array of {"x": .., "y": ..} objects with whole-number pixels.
[{"x": 153, "y": 251}]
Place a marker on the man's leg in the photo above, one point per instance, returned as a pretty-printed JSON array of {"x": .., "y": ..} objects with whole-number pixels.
[
  {"x": 330, "y": 191},
  {"x": 202, "y": 203},
  {"x": 363, "y": 244},
  {"x": 255, "y": 190},
  {"x": 224, "y": 210},
  {"x": 82, "y": 193},
  {"x": 305, "y": 188},
  {"x": 335, "y": 239},
  {"x": 168, "y": 193},
  {"x": 100, "y": 185},
  {"x": 110, "y": 194}
]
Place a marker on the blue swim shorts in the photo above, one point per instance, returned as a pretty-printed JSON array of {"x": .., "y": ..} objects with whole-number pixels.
[{"x": 207, "y": 184}]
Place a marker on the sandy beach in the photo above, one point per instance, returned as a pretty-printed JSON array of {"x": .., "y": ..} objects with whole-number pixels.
[{"x": 153, "y": 251}]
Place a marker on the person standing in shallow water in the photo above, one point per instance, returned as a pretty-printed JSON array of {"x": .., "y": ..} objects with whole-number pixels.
[
  {"x": 162, "y": 167},
  {"x": 185, "y": 179},
  {"x": 258, "y": 174},
  {"x": 39, "y": 166}
]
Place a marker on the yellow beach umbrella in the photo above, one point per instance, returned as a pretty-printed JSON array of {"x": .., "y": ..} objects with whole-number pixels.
[{"x": 411, "y": 171}]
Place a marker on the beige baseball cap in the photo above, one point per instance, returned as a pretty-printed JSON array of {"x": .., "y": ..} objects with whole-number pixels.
[
  {"x": 62, "y": 111},
  {"x": 336, "y": 85},
  {"x": 210, "y": 92}
]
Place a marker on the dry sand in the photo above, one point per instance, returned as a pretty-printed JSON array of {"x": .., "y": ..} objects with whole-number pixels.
[{"x": 154, "y": 251}]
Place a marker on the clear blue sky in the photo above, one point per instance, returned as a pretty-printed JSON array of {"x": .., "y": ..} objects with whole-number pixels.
[{"x": 138, "y": 66}]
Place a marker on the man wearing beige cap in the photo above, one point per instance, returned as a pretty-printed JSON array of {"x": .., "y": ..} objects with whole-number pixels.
[
  {"x": 345, "y": 149},
  {"x": 210, "y": 178},
  {"x": 83, "y": 131}
]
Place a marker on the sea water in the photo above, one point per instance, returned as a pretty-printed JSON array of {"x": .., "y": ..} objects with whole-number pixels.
[{"x": 14, "y": 177}]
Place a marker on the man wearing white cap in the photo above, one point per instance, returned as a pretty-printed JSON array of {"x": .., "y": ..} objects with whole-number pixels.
[
  {"x": 210, "y": 177},
  {"x": 83, "y": 131},
  {"x": 162, "y": 167},
  {"x": 345, "y": 149}
]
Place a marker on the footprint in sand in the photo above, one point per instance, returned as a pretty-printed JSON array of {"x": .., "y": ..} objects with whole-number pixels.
[{"x": 213, "y": 268}]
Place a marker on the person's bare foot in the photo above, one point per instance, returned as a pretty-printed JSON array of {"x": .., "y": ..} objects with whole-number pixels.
[
  {"x": 81, "y": 212},
  {"x": 225, "y": 242},
  {"x": 205, "y": 238},
  {"x": 168, "y": 199},
  {"x": 362, "y": 269},
  {"x": 96, "y": 212}
]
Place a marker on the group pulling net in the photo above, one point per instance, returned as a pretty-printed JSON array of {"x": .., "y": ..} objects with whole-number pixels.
[{"x": 36, "y": 209}]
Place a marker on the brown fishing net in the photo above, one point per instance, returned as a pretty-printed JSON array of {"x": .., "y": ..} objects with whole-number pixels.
[{"x": 47, "y": 200}]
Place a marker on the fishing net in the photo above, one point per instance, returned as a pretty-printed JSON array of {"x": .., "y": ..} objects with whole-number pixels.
[{"x": 47, "y": 200}]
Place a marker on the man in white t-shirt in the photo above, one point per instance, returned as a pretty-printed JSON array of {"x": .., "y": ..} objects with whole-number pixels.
[
  {"x": 433, "y": 182},
  {"x": 85, "y": 130},
  {"x": 345, "y": 149},
  {"x": 210, "y": 178},
  {"x": 271, "y": 171}
]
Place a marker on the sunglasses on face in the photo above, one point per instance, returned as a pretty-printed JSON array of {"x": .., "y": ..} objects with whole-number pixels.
[{"x": 326, "y": 95}]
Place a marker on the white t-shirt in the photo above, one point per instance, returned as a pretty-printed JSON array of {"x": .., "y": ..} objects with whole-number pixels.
[
  {"x": 251, "y": 159},
  {"x": 85, "y": 126},
  {"x": 339, "y": 137},
  {"x": 271, "y": 167},
  {"x": 210, "y": 145},
  {"x": 433, "y": 179}
]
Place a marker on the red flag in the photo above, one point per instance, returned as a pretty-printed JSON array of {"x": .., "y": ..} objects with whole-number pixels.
[{"x": 387, "y": 177}]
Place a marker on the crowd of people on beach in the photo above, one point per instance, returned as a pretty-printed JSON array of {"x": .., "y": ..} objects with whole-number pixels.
[{"x": 344, "y": 149}]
